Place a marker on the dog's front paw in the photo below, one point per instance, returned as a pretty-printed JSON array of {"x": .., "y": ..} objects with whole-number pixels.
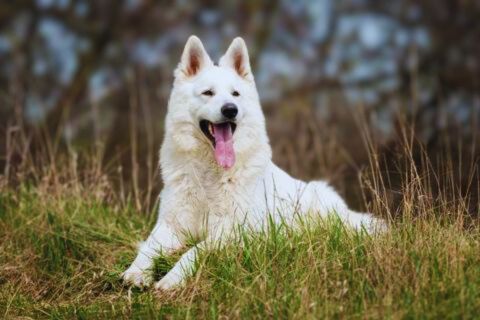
[
  {"x": 137, "y": 277},
  {"x": 169, "y": 281}
]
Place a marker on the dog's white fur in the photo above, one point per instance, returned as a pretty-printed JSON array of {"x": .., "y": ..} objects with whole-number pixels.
[{"x": 204, "y": 200}]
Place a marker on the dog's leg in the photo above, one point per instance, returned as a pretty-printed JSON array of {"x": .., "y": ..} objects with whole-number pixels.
[
  {"x": 162, "y": 239},
  {"x": 364, "y": 221},
  {"x": 218, "y": 238},
  {"x": 322, "y": 198},
  {"x": 181, "y": 270}
]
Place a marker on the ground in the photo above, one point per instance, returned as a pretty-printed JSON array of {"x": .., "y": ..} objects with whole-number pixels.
[{"x": 62, "y": 253}]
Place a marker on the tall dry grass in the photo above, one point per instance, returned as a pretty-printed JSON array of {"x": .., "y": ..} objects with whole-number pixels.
[{"x": 71, "y": 212}]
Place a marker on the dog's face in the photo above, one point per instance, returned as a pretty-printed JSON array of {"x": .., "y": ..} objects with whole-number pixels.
[{"x": 216, "y": 104}]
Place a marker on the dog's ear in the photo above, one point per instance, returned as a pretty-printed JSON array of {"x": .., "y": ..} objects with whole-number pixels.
[
  {"x": 237, "y": 58},
  {"x": 194, "y": 58}
]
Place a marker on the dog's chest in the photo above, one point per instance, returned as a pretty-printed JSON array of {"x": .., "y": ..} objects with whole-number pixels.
[
  {"x": 217, "y": 194},
  {"x": 224, "y": 194}
]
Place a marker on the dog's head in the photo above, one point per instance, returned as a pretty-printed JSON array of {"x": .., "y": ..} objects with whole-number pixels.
[{"x": 216, "y": 106}]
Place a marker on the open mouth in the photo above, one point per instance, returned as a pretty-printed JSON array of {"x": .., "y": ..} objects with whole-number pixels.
[
  {"x": 221, "y": 137},
  {"x": 208, "y": 129}
]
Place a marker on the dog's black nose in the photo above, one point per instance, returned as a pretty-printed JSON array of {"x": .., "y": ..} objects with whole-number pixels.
[{"x": 229, "y": 110}]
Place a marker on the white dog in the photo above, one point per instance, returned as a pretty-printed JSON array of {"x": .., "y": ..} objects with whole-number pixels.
[{"x": 217, "y": 169}]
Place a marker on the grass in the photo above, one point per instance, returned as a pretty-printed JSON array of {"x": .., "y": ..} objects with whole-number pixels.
[
  {"x": 68, "y": 229},
  {"x": 61, "y": 255}
]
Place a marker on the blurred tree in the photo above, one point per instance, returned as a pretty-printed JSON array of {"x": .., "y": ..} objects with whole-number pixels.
[{"x": 88, "y": 64}]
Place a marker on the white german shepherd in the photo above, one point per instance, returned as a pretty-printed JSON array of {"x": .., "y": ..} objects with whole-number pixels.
[{"x": 217, "y": 169}]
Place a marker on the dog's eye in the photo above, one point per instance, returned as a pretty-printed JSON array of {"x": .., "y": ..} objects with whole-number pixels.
[
  {"x": 208, "y": 93},
  {"x": 235, "y": 93}
]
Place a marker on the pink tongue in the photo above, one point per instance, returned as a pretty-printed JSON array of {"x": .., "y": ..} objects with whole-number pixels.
[{"x": 224, "y": 153}]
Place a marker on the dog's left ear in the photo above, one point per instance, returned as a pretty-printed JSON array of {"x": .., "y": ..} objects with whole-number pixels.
[{"x": 237, "y": 58}]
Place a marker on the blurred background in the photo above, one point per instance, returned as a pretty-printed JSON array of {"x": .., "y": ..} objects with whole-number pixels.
[{"x": 94, "y": 76}]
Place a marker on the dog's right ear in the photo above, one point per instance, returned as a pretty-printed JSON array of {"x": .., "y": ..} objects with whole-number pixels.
[{"x": 194, "y": 58}]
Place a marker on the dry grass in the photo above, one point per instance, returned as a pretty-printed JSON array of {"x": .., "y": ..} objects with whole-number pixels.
[{"x": 69, "y": 224}]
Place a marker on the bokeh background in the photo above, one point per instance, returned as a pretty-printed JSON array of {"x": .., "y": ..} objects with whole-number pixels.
[{"x": 96, "y": 75}]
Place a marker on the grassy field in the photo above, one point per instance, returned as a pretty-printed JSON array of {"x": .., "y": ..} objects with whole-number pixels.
[
  {"x": 69, "y": 227},
  {"x": 62, "y": 252}
]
